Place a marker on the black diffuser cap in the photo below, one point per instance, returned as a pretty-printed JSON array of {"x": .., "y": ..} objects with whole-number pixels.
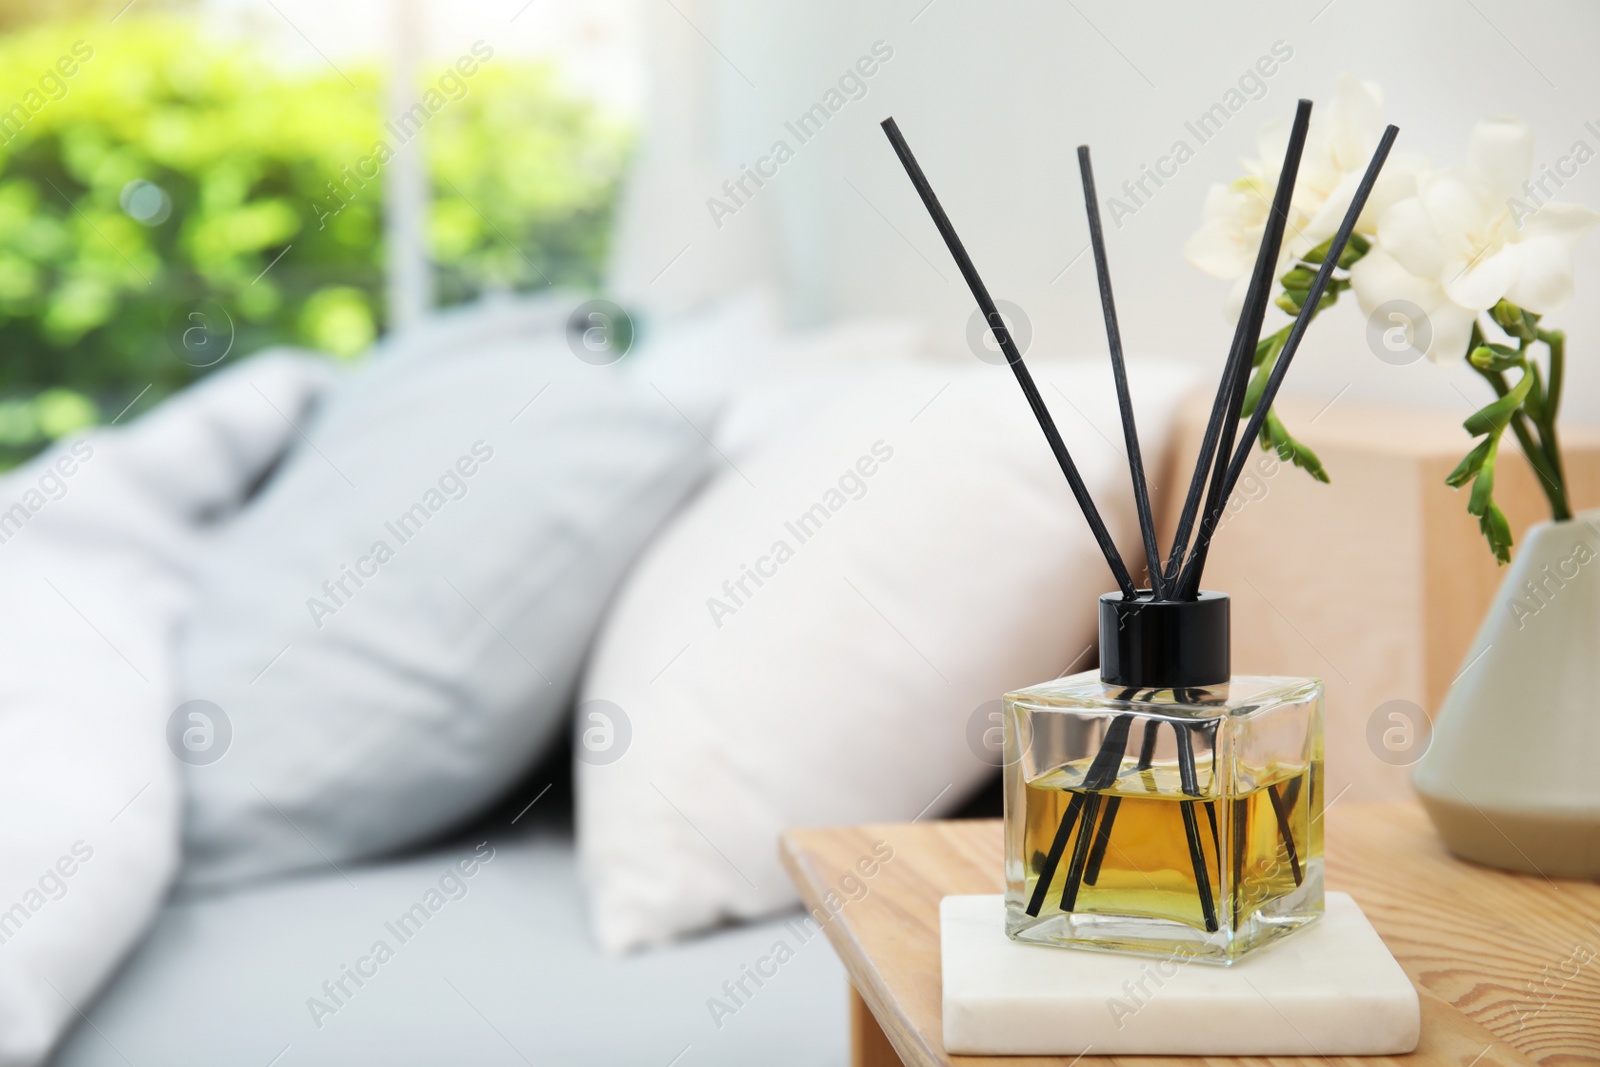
[{"x": 1164, "y": 644}]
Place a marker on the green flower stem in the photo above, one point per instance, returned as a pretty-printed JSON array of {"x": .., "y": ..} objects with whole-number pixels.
[
  {"x": 1275, "y": 436},
  {"x": 1549, "y": 480},
  {"x": 1556, "y": 342}
]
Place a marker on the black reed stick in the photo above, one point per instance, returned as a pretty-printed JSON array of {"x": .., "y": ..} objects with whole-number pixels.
[
  {"x": 1282, "y": 812},
  {"x": 1080, "y": 854},
  {"x": 1191, "y": 830},
  {"x": 1189, "y": 783},
  {"x": 1192, "y": 570},
  {"x": 1241, "y": 836},
  {"x": 1119, "y": 370},
  {"x": 1147, "y": 756},
  {"x": 1208, "y": 449},
  {"x": 1291, "y": 792},
  {"x": 1053, "y": 859},
  {"x": 1236, "y": 371},
  {"x": 1211, "y": 805},
  {"x": 1102, "y": 772},
  {"x": 1102, "y": 839},
  {"x": 1002, "y": 336},
  {"x": 1147, "y": 745}
]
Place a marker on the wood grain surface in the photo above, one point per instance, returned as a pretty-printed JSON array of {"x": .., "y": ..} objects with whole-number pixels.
[{"x": 1507, "y": 966}]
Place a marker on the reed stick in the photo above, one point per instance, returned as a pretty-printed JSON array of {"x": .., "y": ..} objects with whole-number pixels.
[
  {"x": 1197, "y": 857},
  {"x": 1119, "y": 371},
  {"x": 1241, "y": 835},
  {"x": 1291, "y": 793},
  {"x": 1102, "y": 772},
  {"x": 1080, "y": 854},
  {"x": 1189, "y": 583},
  {"x": 1002, "y": 336},
  {"x": 1052, "y": 859},
  {"x": 1190, "y": 784},
  {"x": 1220, "y": 428},
  {"x": 1204, "y": 460},
  {"x": 1281, "y": 810},
  {"x": 1102, "y": 839},
  {"x": 1147, "y": 756}
]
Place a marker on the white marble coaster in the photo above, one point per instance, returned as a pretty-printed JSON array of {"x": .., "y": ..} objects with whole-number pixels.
[{"x": 1329, "y": 989}]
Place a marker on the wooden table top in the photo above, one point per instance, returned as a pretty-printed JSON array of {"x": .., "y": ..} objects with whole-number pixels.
[{"x": 1507, "y": 965}]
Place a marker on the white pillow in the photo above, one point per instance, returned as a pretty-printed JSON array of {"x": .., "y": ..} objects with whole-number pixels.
[
  {"x": 809, "y": 640},
  {"x": 394, "y": 628},
  {"x": 97, "y": 542}
]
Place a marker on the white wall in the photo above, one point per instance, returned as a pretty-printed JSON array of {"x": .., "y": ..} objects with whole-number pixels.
[{"x": 994, "y": 96}]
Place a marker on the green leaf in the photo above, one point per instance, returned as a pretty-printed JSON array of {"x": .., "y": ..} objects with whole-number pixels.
[
  {"x": 1494, "y": 417},
  {"x": 1469, "y": 466}
]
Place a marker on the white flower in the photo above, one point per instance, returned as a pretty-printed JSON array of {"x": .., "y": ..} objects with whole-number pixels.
[
  {"x": 1339, "y": 145},
  {"x": 1467, "y": 239}
]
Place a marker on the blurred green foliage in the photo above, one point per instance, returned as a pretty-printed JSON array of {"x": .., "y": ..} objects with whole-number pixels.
[{"x": 172, "y": 173}]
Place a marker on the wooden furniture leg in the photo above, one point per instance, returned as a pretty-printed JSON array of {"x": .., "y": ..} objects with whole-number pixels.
[{"x": 868, "y": 1046}]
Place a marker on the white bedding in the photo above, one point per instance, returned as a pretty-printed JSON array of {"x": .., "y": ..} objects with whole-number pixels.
[
  {"x": 97, "y": 539},
  {"x": 503, "y": 975}
]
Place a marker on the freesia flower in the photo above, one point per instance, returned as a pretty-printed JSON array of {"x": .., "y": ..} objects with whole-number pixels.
[
  {"x": 1339, "y": 145},
  {"x": 1453, "y": 243},
  {"x": 1467, "y": 239}
]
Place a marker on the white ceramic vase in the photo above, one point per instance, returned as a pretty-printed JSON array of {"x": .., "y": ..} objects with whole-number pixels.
[{"x": 1512, "y": 775}]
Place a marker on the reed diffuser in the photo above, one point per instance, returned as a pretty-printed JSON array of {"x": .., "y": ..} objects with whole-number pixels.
[{"x": 1159, "y": 804}]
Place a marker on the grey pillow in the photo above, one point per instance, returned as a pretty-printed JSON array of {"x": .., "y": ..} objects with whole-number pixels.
[{"x": 394, "y": 627}]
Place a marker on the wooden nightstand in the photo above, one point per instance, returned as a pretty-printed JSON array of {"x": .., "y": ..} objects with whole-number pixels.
[{"x": 1508, "y": 966}]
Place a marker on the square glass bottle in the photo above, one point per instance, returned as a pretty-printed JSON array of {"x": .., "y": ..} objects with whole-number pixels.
[{"x": 1158, "y": 805}]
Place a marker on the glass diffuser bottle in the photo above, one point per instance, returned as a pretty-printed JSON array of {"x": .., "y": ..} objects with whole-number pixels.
[{"x": 1159, "y": 805}]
